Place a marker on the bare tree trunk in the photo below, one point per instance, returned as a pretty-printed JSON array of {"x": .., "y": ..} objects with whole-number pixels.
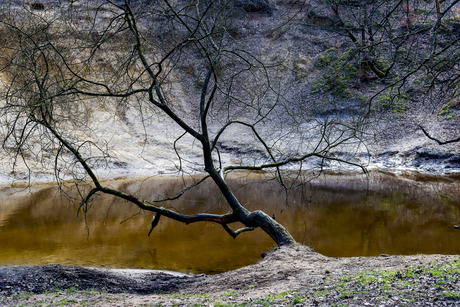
[
  {"x": 275, "y": 230},
  {"x": 255, "y": 219}
]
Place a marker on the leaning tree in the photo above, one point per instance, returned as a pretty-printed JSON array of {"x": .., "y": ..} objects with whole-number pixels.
[{"x": 69, "y": 68}]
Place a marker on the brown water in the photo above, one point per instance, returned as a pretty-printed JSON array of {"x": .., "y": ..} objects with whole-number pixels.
[{"x": 340, "y": 216}]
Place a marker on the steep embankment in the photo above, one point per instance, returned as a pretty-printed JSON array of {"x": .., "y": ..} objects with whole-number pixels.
[{"x": 304, "y": 50}]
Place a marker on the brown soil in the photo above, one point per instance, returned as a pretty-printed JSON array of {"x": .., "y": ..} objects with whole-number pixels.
[{"x": 294, "y": 271}]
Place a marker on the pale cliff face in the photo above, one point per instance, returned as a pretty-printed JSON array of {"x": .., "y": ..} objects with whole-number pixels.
[{"x": 298, "y": 47}]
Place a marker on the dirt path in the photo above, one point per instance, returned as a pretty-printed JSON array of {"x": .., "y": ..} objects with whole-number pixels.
[{"x": 286, "y": 276}]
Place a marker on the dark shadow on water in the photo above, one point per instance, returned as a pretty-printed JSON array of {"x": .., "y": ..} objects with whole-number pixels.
[{"x": 337, "y": 216}]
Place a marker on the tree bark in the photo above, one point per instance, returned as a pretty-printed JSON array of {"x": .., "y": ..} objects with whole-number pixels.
[
  {"x": 275, "y": 230},
  {"x": 255, "y": 219}
]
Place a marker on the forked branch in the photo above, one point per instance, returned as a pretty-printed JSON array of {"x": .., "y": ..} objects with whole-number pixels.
[{"x": 235, "y": 233}]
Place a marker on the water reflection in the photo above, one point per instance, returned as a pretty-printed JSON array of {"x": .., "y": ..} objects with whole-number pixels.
[{"x": 340, "y": 216}]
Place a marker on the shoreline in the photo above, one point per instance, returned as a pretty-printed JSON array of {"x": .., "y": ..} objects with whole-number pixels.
[
  {"x": 285, "y": 277},
  {"x": 407, "y": 173},
  {"x": 282, "y": 275}
]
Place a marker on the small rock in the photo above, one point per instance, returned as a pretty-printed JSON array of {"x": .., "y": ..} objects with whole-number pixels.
[{"x": 301, "y": 67}]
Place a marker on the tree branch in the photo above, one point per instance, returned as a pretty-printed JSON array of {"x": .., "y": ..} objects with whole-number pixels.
[
  {"x": 290, "y": 161},
  {"x": 187, "y": 219},
  {"x": 155, "y": 221},
  {"x": 235, "y": 233},
  {"x": 438, "y": 141}
]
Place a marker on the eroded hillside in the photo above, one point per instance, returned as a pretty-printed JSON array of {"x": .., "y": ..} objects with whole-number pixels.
[{"x": 350, "y": 82}]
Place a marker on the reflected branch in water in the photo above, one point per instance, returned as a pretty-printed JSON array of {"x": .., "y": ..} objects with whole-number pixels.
[{"x": 182, "y": 192}]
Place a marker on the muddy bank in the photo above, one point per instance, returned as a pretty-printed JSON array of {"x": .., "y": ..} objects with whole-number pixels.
[
  {"x": 284, "y": 276},
  {"x": 39, "y": 279}
]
